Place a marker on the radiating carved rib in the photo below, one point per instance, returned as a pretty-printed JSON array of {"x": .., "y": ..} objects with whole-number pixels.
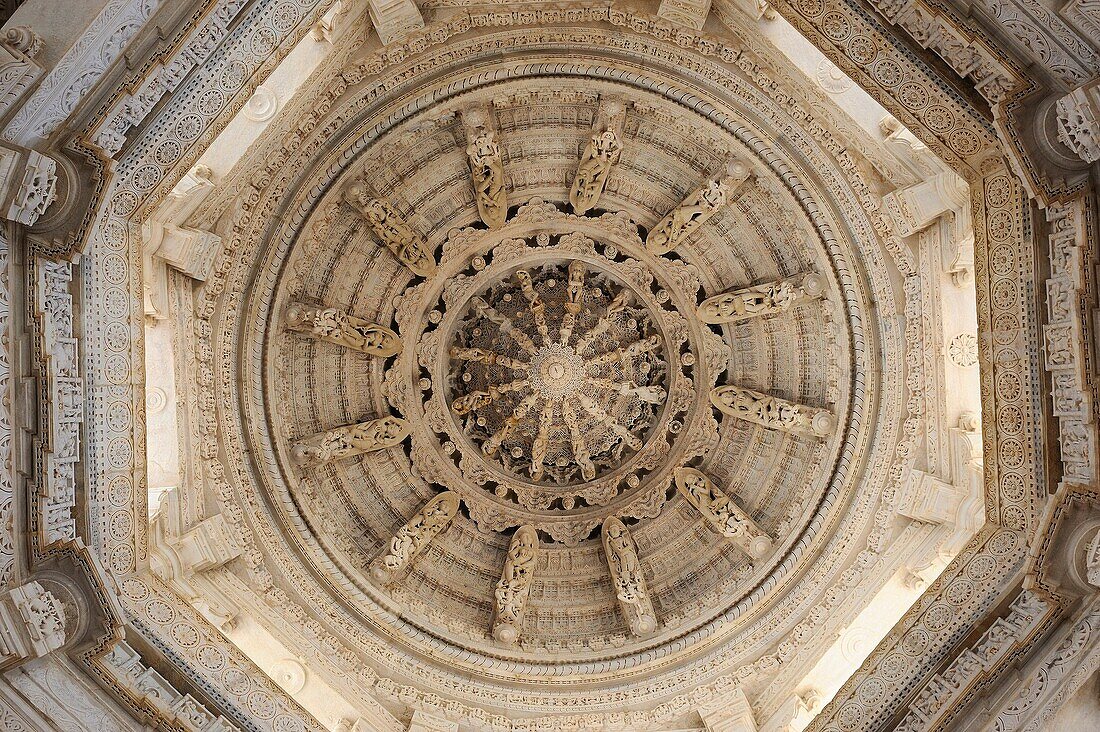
[
  {"x": 336, "y": 326},
  {"x": 613, "y": 424},
  {"x": 408, "y": 246},
  {"x": 634, "y": 349},
  {"x": 538, "y": 307},
  {"x": 486, "y": 167},
  {"x": 763, "y": 299},
  {"x": 480, "y": 355},
  {"x": 493, "y": 443},
  {"x": 600, "y": 154},
  {"x": 721, "y": 513},
  {"x": 772, "y": 412},
  {"x": 575, "y": 303},
  {"x": 478, "y": 399},
  {"x": 580, "y": 448},
  {"x": 542, "y": 441},
  {"x": 695, "y": 210},
  {"x": 627, "y": 577},
  {"x": 510, "y": 598},
  {"x": 505, "y": 324},
  {"x": 412, "y": 538},
  {"x": 650, "y": 394},
  {"x": 614, "y": 307},
  {"x": 354, "y": 439}
]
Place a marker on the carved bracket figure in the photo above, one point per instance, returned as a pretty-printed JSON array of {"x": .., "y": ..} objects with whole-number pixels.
[
  {"x": 721, "y": 513},
  {"x": 412, "y": 538},
  {"x": 354, "y": 439},
  {"x": 510, "y": 600},
  {"x": 763, "y": 299},
  {"x": 772, "y": 412},
  {"x": 486, "y": 167},
  {"x": 627, "y": 578},
  {"x": 696, "y": 209},
  {"x": 600, "y": 154},
  {"x": 408, "y": 246},
  {"x": 336, "y": 326}
]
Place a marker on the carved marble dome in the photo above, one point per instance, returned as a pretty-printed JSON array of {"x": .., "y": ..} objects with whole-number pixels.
[{"x": 553, "y": 366}]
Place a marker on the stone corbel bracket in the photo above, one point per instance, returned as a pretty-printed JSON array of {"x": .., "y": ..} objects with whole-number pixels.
[
  {"x": 28, "y": 183},
  {"x": 414, "y": 537},
  {"x": 724, "y": 516},
  {"x": 627, "y": 577},
  {"x": 396, "y": 235},
  {"x": 514, "y": 587},
  {"x": 337, "y": 327},
  {"x": 772, "y": 412},
  {"x": 768, "y": 298},
  {"x": 394, "y": 19},
  {"x": 696, "y": 209},
  {"x": 351, "y": 440},
  {"x": 486, "y": 165},
  {"x": 600, "y": 154}
]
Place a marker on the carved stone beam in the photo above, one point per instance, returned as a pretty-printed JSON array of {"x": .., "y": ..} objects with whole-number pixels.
[
  {"x": 414, "y": 537},
  {"x": 336, "y": 326},
  {"x": 408, "y": 246},
  {"x": 690, "y": 13},
  {"x": 627, "y": 577},
  {"x": 354, "y": 439},
  {"x": 772, "y": 412},
  {"x": 764, "y": 299},
  {"x": 600, "y": 155},
  {"x": 32, "y": 624},
  {"x": 721, "y": 513},
  {"x": 510, "y": 597},
  {"x": 486, "y": 166},
  {"x": 696, "y": 209},
  {"x": 394, "y": 19}
]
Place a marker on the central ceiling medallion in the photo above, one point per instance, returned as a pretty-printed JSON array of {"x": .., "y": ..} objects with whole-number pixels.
[{"x": 558, "y": 373}]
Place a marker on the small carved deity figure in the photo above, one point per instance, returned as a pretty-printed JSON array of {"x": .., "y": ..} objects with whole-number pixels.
[
  {"x": 721, "y": 512},
  {"x": 627, "y": 577},
  {"x": 601, "y": 153},
  {"x": 336, "y": 326},
  {"x": 412, "y": 538},
  {"x": 695, "y": 210},
  {"x": 772, "y": 412},
  {"x": 487, "y": 171},
  {"x": 354, "y": 439},
  {"x": 515, "y": 585},
  {"x": 397, "y": 236},
  {"x": 762, "y": 299}
]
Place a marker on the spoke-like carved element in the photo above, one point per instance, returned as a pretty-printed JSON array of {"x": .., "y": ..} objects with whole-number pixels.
[
  {"x": 600, "y": 154},
  {"x": 575, "y": 303},
  {"x": 762, "y": 299},
  {"x": 626, "y": 352},
  {"x": 721, "y": 513},
  {"x": 538, "y": 307},
  {"x": 486, "y": 167},
  {"x": 772, "y": 412},
  {"x": 354, "y": 439},
  {"x": 542, "y": 441},
  {"x": 627, "y": 577},
  {"x": 479, "y": 399},
  {"x": 510, "y": 601},
  {"x": 695, "y": 210},
  {"x": 628, "y": 437},
  {"x": 580, "y": 448},
  {"x": 412, "y": 538},
  {"x": 518, "y": 415},
  {"x": 505, "y": 324},
  {"x": 408, "y": 246},
  {"x": 649, "y": 394},
  {"x": 616, "y": 306},
  {"x": 480, "y": 355},
  {"x": 336, "y": 326}
]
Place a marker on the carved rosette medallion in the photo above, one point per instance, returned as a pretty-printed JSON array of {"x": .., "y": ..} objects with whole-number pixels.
[{"x": 555, "y": 373}]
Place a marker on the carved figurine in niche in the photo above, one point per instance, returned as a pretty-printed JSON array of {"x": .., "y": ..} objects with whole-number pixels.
[
  {"x": 772, "y": 412},
  {"x": 408, "y": 246},
  {"x": 515, "y": 585},
  {"x": 336, "y": 326},
  {"x": 700, "y": 205},
  {"x": 763, "y": 299},
  {"x": 721, "y": 512},
  {"x": 355, "y": 439},
  {"x": 486, "y": 168},
  {"x": 412, "y": 538},
  {"x": 627, "y": 577}
]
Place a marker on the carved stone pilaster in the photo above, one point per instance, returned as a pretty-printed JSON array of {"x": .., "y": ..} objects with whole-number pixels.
[
  {"x": 486, "y": 166},
  {"x": 414, "y": 537},
  {"x": 695, "y": 210},
  {"x": 336, "y": 326},
  {"x": 767, "y": 298},
  {"x": 600, "y": 155},
  {"x": 1079, "y": 121},
  {"x": 32, "y": 624},
  {"x": 627, "y": 577},
  {"x": 690, "y": 13},
  {"x": 394, "y": 19},
  {"x": 510, "y": 597},
  {"x": 354, "y": 439},
  {"x": 397, "y": 236},
  {"x": 725, "y": 516},
  {"x": 772, "y": 412}
]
